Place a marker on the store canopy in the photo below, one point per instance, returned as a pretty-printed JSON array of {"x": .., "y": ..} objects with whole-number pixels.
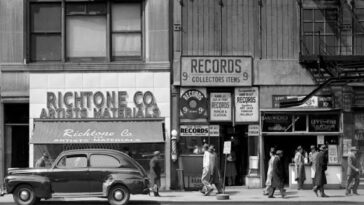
[{"x": 77, "y": 132}]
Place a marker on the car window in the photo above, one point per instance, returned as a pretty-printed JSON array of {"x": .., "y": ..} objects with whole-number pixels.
[
  {"x": 73, "y": 161},
  {"x": 103, "y": 161}
]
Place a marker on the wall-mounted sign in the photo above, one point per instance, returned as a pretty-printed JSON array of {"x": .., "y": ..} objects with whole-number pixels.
[
  {"x": 313, "y": 102},
  {"x": 333, "y": 156},
  {"x": 246, "y": 104},
  {"x": 346, "y": 146},
  {"x": 109, "y": 104},
  {"x": 199, "y": 130},
  {"x": 320, "y": 139},
  {"x": 277, "y": 123},
  {"x": 227, "y": 147},
  {"x": 324, "y": 123},
  {"x": 193, "y": 104},
  {"x": 220, "y": 106},
  {"x": 253, "y": 130},
  {"x": 216, "y": 71}
]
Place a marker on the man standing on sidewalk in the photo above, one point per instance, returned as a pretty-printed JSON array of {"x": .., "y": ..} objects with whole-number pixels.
[
  {"x": 313, "y": 160},
  {"x": 353, "y": 172},
  {"x": 277, "y": 175},
  {"x": 321, "y": 167},
  {"x": 155, "y": 173}
]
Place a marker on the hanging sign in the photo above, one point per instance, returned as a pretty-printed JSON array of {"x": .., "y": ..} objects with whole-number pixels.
[
  {"x": 216, "y": 71},
  {"x": 193, "y": 104},
  {"x": 246, "y": 104},
  {"x": 220, "y": 106},
  {"x": 227, "y": 147}
]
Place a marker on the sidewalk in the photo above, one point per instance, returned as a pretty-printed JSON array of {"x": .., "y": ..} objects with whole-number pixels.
[{"x": 237, "y": 196}]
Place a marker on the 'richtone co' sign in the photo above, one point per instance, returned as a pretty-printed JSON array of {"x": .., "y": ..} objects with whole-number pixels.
[
  {"x": 216, "y": 71},
  {"x": 109, "y": 104}
]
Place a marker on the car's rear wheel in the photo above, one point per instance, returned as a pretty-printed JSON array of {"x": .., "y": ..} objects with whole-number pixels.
[
  {"x": 118, "y": 195},
  {"x": 25, "y": 195}
]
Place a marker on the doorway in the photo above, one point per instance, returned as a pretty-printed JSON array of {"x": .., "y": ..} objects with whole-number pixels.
[{"x": 288, "y": 144}]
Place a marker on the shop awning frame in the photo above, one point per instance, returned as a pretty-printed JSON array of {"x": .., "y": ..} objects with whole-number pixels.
[{"x": 93, "y": 131}]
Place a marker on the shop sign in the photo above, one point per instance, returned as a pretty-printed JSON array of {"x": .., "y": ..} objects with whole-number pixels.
[
  {"x": 193, "y": 104},
  {"x": 324, "y": 123},
  {"x": 320, "y": 139},
  {"x": 214, "y": 130},
  {"x": 227, "y": 147},
  {"x": 216, "y": 71},
  {"x": 313, "y": 102},
  {"x": 100, "y": 104},
  {"x": 220, "y": 106},
  {"x": 277, "y": 123},
  {"x": 194, "y": 130},
  {"x": 253, "y": 130},
  {"x": 333, "y": 156},
  {"x": 246, "y": 104}
]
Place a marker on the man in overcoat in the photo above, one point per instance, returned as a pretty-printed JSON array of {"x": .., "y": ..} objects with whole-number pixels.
[
  {"x": 321, "y": 167},
  {"x": 353, "y": 172},
  {"x": 277, "y": 180},
  {"x": 300, "y": 167},
  {"x": 155, "y": 173}
]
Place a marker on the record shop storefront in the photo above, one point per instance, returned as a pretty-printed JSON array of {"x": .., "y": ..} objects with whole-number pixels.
[
  {"x": 114, "y": 111},
  {"x": 217, "y": 103}
]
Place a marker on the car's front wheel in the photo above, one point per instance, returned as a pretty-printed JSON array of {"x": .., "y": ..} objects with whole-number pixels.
[
  {"x": 118, "y": 195},
  {"x": 24, "y": 195}
]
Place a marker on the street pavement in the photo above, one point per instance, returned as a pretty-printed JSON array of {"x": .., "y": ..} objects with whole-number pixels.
[{"x": 238, "y": 195}]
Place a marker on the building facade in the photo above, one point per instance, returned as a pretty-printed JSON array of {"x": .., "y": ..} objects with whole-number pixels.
[
  {"x": 84, "y": 74},
  {"x": 250, "y": 75}
]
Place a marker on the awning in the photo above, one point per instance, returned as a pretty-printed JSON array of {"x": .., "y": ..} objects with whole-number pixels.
[{"x": 77, "y": 132}]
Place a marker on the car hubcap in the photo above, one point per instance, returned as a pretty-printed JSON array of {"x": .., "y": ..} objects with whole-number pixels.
[
  {"x": 24, "y": 195},
  {"x": 118, "y": 195}
]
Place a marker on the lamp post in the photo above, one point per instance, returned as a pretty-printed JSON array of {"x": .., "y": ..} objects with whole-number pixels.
[{"x": 174, "y": 145}]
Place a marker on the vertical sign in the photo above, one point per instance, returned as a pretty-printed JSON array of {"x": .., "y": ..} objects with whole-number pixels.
[
  {"x": 214, "y": 130},
  {"x": 227, "y": 147},
  {"x": 346, "y": 146},
  {"x": 246, "y": 104},
  {"x": 320, "y": 139},
  {"x": 333, "y": 157},
  {"x": 220, "y": 106}
]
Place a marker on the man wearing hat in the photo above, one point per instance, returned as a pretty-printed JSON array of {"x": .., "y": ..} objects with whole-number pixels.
[
  {"x": 352, "y": 172},
  {"x": 313, "y": 160},
  {"x": 42, "y": 161},
  {"x": 321, "y": 167},
  {"x": 300, "y": 167},
  {"x": 277, "y": 175},
  {"x": 155, "y": 173}
]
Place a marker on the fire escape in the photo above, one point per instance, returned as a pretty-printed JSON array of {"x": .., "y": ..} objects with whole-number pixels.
[{"x": 332, "y": 62}]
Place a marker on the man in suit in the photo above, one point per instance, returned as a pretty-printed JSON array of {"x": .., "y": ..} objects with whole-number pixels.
[
  {"x": 353, "y": 172},
  {"x": 321, "y": 167},
  {"x": 277, "y": 180},
  {"x": 155, "y": 173}
]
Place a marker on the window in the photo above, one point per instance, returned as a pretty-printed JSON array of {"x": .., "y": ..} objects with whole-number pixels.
[
  {"x": 103, "y": 161},
  {"x": 319, "y": 31},
  {"x": 86, "y": 31},
  {"x": 45, "y": 32},
  {"x": 73, "y": 161},
  {"x": 359, "y": 32}
]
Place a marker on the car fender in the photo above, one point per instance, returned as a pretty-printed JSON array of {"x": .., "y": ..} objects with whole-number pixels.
[
  {"x": 134, "y": 182},
  {"x": 41, "y": 184}
]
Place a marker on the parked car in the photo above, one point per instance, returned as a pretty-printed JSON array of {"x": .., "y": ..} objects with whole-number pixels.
[{"x": 80, "y": 173}]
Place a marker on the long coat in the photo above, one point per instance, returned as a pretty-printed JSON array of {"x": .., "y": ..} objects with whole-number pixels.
[
  {"x": 155, "y": 171},
  {"x": 352, "y": 165},
  {"x": 277, "y": 173},
  {"x": 300, "y": 167},
  {"x": 321, "y": 167}
]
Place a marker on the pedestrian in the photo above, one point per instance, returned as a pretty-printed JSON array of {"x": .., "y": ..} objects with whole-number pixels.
[
  {"x": 42, "y": 161},
  {"x": 155, "y": 173},
  {"x": 215, "y": 174},
  {"x": 313, "y": 160},
  {"x": 353, "y": 172},
  {"x": 299, "y": 161},
  {"x": 231, "y": 168},
  {"x": 206, "y": 172},
  {"x": 268, "y": 182},
  {"x": 321, "y": 167},
  {"x": 277, "y": 175}
]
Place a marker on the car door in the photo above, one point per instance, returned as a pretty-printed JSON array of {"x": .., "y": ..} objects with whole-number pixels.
[{"x": 70, "y": 175}]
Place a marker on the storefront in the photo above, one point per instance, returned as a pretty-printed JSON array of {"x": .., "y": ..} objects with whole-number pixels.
[
  {"x": 217, "y": 103},
  {"x": 128, "y": 112},
  {"x": 313, "y": 123}
]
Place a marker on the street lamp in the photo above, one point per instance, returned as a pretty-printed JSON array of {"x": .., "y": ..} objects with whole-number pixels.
[{"x": 174, "y": 145}]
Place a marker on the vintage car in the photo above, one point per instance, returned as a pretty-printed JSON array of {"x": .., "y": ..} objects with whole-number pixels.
[{"x": 80, "y": 173}]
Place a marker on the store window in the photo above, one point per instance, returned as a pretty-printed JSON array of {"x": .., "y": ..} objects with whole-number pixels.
[
  {"x": 45, "y": 32},
  {"x": 91, "y": 29},
  {"x": 319, "y": 31}
]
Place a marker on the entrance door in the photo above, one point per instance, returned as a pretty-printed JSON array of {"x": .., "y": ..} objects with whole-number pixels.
[{"x": 16, "y": 145}]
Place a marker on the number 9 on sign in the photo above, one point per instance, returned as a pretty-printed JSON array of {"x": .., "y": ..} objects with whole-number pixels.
[{"x": 184, "y": 76}]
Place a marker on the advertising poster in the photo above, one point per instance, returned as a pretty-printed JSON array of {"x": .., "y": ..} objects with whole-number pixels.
[
  {"x": 193, "y": 103},
  {"x": 333, "y": 157},
  {"x": 220, "y": 106},
  {"x": 246, "y": 104}
]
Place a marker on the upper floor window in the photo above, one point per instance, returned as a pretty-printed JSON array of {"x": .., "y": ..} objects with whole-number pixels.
[
  {"x": 320, "y": 31},
  {"x": 87, "y": 31}
]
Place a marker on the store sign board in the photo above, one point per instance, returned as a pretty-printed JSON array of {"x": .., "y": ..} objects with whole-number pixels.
[
  {"x": 220, "y": 106},
  {"x": 253, "y": 130},
  {"x": 214, "y": 130},
  {"x": 193, "y": 103},
  {"x": 246, "y": 104},
  {"x": 277, "y": 123},
  {"x": 324, "y": 123},
  {"x": 313, "y": 102},
  {"x": 216, "y": 71},
  {"x": 200, "y": 130}
]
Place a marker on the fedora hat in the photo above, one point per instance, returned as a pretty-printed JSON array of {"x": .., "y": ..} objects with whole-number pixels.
[
  {"x": 353, "y": 149},
  {"x": 323, "y": 147}
]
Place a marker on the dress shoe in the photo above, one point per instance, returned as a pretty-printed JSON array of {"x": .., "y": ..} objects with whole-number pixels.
[
  {"x": 356, "y": 193},
  {"x": 208, "y": 191},
  {"x": 324, "y": 195},
  {"x": 315, "y": 191},
  {"x": 271, "y": 197}
]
